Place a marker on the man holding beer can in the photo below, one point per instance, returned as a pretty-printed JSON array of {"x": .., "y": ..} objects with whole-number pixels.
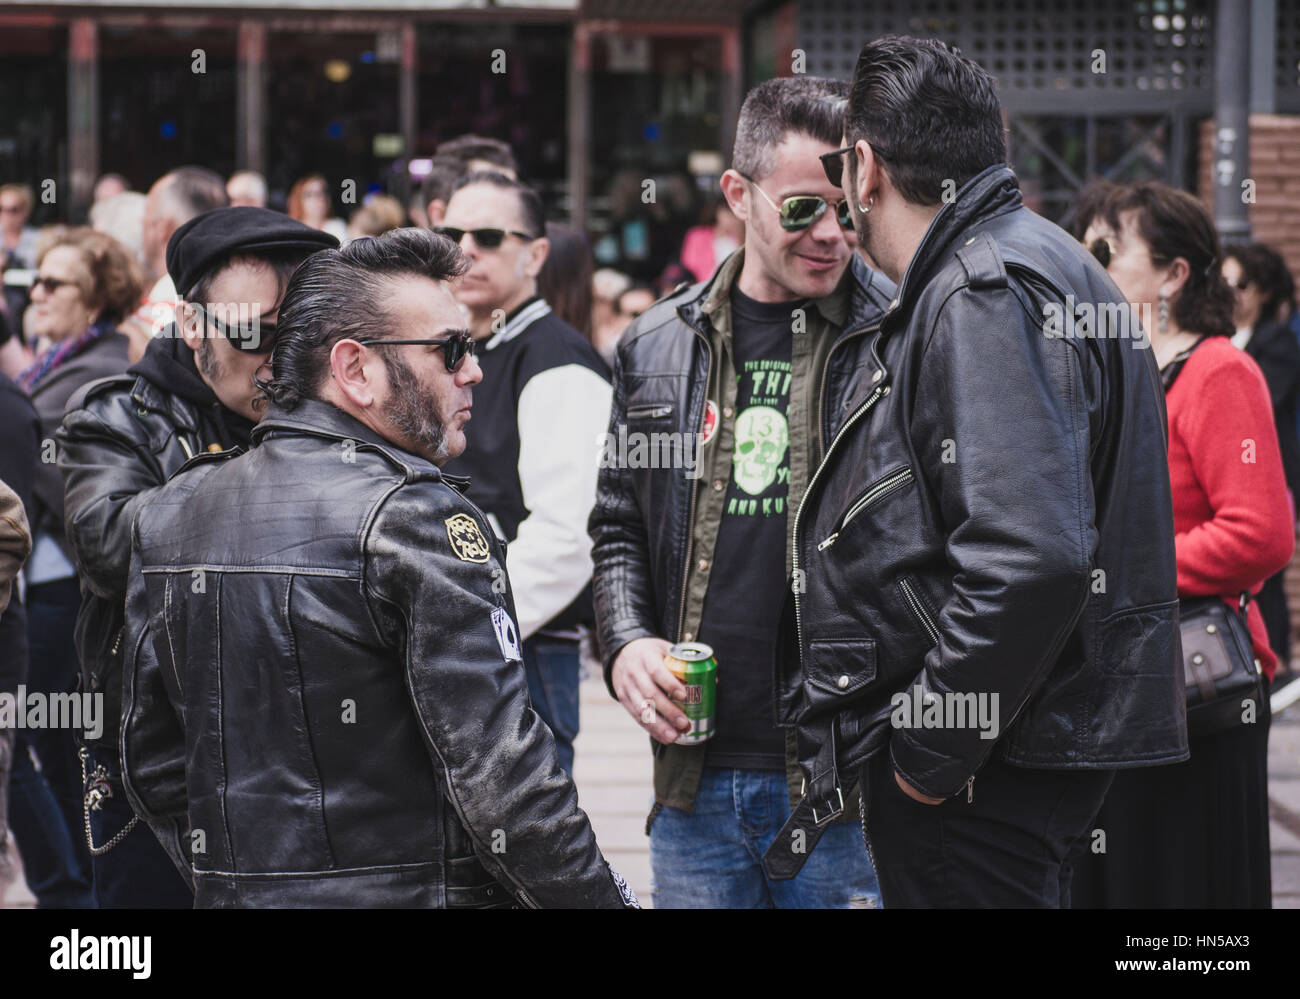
[{"x": 735, "y": 384}]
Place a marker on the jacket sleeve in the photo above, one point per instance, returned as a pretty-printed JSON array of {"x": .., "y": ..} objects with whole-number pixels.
[
  {"x": 152, "y": 736},
  {"x": 452, "y": 622},
  {"x": 1003, "y": 435},
  {"x": 561, "y": 413},
  {"x": 15, "y": 540},
  {"x": 1279, "y": 361},
  {"x": 621, "y": 586},
  {"x": 107, "y": 478},
  {"x": 1231, "y": 441}
]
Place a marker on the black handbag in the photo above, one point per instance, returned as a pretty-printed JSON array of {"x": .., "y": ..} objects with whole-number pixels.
[{"x": 1219, "y": 665}]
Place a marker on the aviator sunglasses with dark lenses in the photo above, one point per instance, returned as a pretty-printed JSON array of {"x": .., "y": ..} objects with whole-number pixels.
[
  {"x": 257, "y": 337},
  {"x": 799, "y": 211},
  {"x": 455, "y": 348},
  {"x": 487, "y": 239}
]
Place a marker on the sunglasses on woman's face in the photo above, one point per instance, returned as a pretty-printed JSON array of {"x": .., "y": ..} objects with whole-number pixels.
[
  {"x": 1101, "y": 249},
  {"x": 799, "y": 211},
  {"x": 455, "y": 348},
  {"x": 487, "y": 239},
  {"x": 50, "y": 284}
]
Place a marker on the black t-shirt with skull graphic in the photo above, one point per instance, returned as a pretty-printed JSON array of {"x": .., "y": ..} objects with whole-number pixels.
[{"x": 747, "y": 582}]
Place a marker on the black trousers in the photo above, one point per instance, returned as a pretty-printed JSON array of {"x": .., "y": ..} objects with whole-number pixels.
[{"x": 1009, "y": 847}]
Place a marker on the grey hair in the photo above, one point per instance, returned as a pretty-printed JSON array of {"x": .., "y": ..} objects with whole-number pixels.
[{"x": 810, "y": 105}]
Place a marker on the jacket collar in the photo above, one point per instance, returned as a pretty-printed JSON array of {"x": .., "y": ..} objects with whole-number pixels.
[
  {"x": 524, "y": 315},
  {"x": 836, "y": 308},
  {"x": 995, "y": 191},
  {"x": 313, "y": 418}
]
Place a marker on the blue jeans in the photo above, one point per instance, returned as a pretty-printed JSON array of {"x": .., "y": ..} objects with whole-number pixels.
[
  {"x": 710, "y": 858},
  {"x": 552, "y": 669},
  {"x": 136, "y": 873},
  {"x": 45, "y": 813}
]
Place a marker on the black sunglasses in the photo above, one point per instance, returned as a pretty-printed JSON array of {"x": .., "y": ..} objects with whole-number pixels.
[
  {"x": 1100, "y": 248},
  {"x": 488, "y": 239},
  {"x": 455, "y": 348},
  {"x": 833, "y": 163},
  {"x": 799, "y": 211},
  {"x": 258, "y": 338},
  {"x": 50, "y": 284}
]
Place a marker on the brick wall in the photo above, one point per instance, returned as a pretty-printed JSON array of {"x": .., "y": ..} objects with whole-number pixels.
[
  {"x": 1275, "y": 220},
  {"x": 1275, "y": 168}
]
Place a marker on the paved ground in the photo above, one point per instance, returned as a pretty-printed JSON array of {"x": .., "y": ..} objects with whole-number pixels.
[{"x": 613, "y": 776}]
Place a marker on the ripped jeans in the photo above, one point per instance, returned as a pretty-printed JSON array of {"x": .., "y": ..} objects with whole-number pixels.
[{"x": 710, "y": 858}]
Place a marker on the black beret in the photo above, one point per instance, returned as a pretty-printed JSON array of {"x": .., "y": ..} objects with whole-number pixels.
[{"x": 223, "y": 232}]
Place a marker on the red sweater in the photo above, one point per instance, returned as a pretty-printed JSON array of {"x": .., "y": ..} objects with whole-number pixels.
[{"x": 1232, "y": 516}]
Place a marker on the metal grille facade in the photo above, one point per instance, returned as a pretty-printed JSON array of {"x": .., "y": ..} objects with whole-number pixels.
[{"x": 1043, "y": 53}]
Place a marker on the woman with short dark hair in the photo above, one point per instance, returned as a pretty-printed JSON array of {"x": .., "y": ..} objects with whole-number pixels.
[
  {"x": 1264, "y": 291},
  {"x": 1195, "y": 834}
]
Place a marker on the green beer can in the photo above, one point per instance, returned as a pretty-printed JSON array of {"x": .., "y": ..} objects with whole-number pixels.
[{"x": 693, "y": 664}]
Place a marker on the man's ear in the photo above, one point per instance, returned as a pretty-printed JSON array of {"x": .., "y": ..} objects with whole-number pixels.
[
  {"x": 869, "y": 174},
  {"x": 437, "y": 210},
  {"x": 537, "y": 253},
  {"x": 733, "y": 189},
  {"x": 190, "y": 322},
  {"x": 353, "y": 373}
]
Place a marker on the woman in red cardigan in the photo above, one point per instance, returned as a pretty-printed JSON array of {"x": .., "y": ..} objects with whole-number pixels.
[{"x": 1195, "y": 834}]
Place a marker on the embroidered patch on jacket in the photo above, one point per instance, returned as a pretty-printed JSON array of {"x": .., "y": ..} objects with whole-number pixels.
[
  {"x": 629, "y": 897},
  {"x": 507, "y": 635},
  {"x": 466, "y": 539}
]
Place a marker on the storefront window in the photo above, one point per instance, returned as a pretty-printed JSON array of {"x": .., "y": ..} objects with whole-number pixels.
[
  {"x": 167, "y": 99},
  {"x": 506, "y": 81},
  {"x": 33, "y": 114},
  {"x": 655, "y": 155},
  {"x": 332, "y": 109}
]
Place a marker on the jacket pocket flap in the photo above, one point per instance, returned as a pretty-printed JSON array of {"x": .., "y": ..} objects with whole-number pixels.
[
  {"x": 650, "y": 411},
  {"x": 841, "y": 665}
]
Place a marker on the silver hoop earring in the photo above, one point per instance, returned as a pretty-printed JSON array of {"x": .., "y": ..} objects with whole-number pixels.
[{"x": 870, "y": 201}]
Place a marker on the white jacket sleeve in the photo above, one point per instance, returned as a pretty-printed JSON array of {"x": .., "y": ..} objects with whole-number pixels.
[{"x": 563, "y": 413}]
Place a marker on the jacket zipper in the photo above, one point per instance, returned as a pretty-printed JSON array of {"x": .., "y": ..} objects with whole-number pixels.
[
  {"x": 695, "y": 488},
  {"x": 919, "y": 610},
  {"x": 880, "y": 489},
  {"x": 871, "y": 400}
]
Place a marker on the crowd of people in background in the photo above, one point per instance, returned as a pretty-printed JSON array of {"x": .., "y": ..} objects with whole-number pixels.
[{"x": 86, "y": 303}]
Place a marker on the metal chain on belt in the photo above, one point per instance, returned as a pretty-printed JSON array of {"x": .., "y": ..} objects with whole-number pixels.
[{"x": 99, "y": 791}]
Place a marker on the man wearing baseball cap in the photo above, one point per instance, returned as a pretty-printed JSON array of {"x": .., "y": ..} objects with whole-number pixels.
[{"x": 192, "y": 392}]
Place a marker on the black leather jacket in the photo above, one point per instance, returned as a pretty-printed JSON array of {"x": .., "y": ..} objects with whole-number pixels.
[
  {"x": 330, "y": 622},
  {"x": 642, "y": 521},
  {"x": 121, "y": 437},
  {"x": 993, "y": 518}
]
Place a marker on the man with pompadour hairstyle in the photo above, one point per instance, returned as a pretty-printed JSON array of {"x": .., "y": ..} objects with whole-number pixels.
[
  {"x": 988, "y": 625},
  {"x": 336, "y": 714}
]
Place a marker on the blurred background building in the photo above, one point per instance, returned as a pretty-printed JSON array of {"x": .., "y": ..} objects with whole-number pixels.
[{"x": 596, "y": 96}]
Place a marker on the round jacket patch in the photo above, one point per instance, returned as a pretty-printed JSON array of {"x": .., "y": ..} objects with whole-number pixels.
[
  {"x": 467, "y": 541},
  {"x": 710, "y": 422}
]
